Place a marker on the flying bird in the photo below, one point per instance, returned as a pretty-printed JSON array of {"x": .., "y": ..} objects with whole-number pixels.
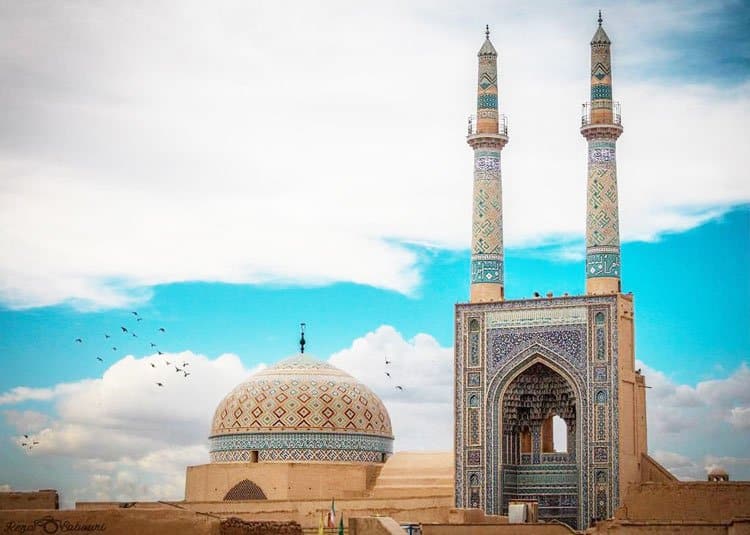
[
  {"x": 123, "y": 329},
  {"x": 26, "y": 436},
  {"x": 185, "y": 364},
  {"x": 186, "y": 373},
  {"x": 388, "y": 374},
  {"x": 159, "y": 384},
  {"x": 153, "y": 365},
  {"x": 399, "y": 387},
  {"x": 134, "y": 335},
  {"x": 139, "y": 319},
  {"x": 100, "y": 359},
  {"x": 114, "y": 349},
  {"x": 168, "y": 363},
  {"x": 153, "y": 344},
  {"x": 134, "y": 313},
  {"x": 79, "y": 340},
  {"x": 177, "y": 369},
  {"x": 386, "y": 360},
  {"x": 162, "y": 329},
  {"x": 160, "y": 352},
  {"x": 106, "y": 335}
]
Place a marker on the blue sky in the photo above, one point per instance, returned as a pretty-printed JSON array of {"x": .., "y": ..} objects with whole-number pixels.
[
  {"x": 679, "y": 281},
  {"x": 227, "y": 195}
]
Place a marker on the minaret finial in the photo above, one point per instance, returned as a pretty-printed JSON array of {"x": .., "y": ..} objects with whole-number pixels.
[
  {"x": 600, "y": 18},
  {"x": 487, "y": 31},
  {"x": 302, "y": 338}
]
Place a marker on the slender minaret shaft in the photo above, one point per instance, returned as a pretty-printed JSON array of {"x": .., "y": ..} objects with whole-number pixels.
[
  {"x": 601, "y": 127},
  {"x": 487, "y": 138}
]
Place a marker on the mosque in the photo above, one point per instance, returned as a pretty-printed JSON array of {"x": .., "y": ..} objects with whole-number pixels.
[{"x": 291, "y": 437}]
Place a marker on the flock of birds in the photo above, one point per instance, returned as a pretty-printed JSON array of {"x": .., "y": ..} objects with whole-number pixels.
[
  {"x": 388, "y": 373},
  {"x": 28, "y": 442},
  {"x": 127, "y": 333},
  {"x": 130, "y": 332}
]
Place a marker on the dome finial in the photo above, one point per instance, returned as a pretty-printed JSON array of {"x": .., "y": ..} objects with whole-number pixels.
[
  {"x": 600, "y": 18},
  {"x": 487, "y": 31},
  {"x": 302, "y": 338}
]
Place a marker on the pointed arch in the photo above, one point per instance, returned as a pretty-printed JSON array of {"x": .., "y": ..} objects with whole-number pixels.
[
  {"x": 498, "y": 385},
  {"x": 245, "y": 490}
]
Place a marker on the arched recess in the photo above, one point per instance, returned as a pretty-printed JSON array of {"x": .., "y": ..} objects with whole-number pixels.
[
  {"x": 245, "y": 490},
  {"x": 577, "y": 446},
  {"x": 529, "y": 403}
]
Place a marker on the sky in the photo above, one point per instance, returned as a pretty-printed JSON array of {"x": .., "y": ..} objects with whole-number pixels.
[{"x": 230, "y": 170}]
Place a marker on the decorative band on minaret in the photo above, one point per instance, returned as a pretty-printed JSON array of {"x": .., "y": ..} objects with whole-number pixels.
[
  {"x": 601, "y": 126},
  {"x": 488, "y": 134}
]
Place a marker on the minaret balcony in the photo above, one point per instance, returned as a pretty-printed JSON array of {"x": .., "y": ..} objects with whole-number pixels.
[
  {"x": 496, "y": 136},
  {"x": 601, "y": 119},
  {"x": 502, "y": 126}
]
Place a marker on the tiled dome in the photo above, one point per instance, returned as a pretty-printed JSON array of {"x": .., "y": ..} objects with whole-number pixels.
[{"x": 301, "y": 409}]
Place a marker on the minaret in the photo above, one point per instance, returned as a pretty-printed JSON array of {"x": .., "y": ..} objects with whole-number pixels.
[
  {"x": 601, "y": 126},
  {"x": 487, "y": 137}
]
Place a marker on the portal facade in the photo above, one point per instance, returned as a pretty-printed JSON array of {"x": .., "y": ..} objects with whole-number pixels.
[{"x": 522, "y": 364}]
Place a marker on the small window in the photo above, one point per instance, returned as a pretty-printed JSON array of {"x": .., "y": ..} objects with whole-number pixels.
[{"x": 560, "y": 434}]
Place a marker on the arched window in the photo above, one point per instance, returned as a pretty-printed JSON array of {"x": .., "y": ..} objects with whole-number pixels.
[
  {"x": 473, "y": 401},
  {"x": 474, "y": 480},
  {"x": 245, "y": 490},
  {"x": 560, "y": 434}
]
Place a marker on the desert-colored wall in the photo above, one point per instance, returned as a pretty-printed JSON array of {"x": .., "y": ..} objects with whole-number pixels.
[
  {"x": 632, "y": 399},
  {"x": 374, "y": 526},
  {"x": 308, "y": 512},
  {"x": 677, "y": 528},
  {"x": 686, "y": 501},
  {"x": 39, "y": 499},
  {"x": 281, "y": 481},
  {"x": 415, "y": 474},
  {"x": 110, "y": 522},
  {"x": 496, "y": 529},
  {"x": 654, "y": 472}
]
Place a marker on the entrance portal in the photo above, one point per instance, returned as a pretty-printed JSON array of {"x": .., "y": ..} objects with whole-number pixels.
[{"x": 533, "y": 466}]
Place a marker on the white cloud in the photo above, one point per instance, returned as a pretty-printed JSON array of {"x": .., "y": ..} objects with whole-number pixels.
[
  {"x": 26, "y": 421},
  {"x": 215, "y": 147},
  {"x": 421, "y": 412},
  {"x": 684, "y": 422},
  {"x": 125, "y": 438},
  {"x": 739, "y": 417},
  {"x": 20, "y": 394}
]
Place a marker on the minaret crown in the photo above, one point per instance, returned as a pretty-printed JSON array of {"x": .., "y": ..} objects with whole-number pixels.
[
  {"x": 600, "y": 37},
  {"x": 487, "y": 48}
]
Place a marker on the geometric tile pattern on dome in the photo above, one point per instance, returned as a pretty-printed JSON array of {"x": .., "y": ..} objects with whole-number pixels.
[
  {"x": 305, "y": 395},
  {"x": 538, "y": 356}
]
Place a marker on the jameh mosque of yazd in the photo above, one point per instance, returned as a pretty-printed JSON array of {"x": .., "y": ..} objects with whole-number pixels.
[{"x": 303, "y": 447}]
